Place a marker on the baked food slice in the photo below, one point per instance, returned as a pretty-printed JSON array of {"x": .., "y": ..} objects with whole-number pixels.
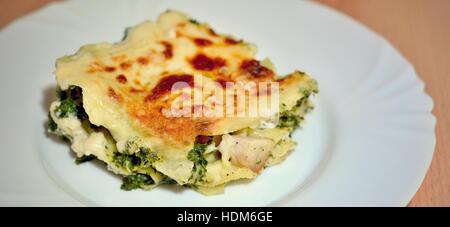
[{"x": 115, "y": 103}]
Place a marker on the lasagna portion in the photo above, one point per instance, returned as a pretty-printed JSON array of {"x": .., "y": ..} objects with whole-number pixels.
[{"x": 114, "y": 103}]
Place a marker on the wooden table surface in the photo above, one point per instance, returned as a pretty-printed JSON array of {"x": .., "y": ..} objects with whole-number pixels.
[{"x": 420, "y": 29}]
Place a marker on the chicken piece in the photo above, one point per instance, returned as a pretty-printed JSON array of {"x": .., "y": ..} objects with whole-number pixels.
[{"x": 250, "y": 152}]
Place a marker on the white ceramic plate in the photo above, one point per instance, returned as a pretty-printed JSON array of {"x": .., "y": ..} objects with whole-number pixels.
[{"x": 369, "y": 141}]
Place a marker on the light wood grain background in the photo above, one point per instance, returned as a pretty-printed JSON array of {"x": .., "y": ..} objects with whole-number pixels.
[{"x": 420, "y": 29}]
